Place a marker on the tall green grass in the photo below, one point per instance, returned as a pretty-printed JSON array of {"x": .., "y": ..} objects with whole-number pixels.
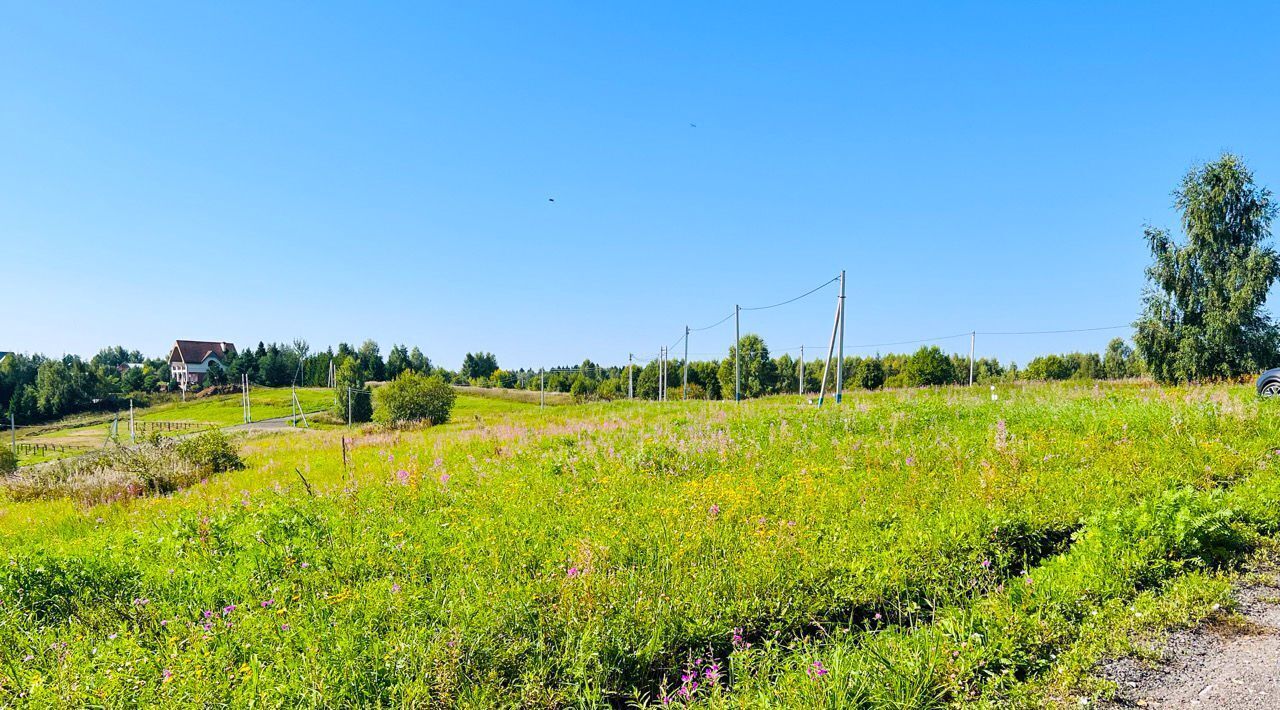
[{"x": 907, "y": 549}]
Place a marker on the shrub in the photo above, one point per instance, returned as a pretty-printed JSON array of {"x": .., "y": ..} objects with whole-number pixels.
[
  {"x": 8, "y": 461},
  {"x": 210, "y": 452},
  {"x": 413, "y": 397}
]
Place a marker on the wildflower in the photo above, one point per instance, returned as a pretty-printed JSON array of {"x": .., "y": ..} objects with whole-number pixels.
[
  {"x": 305, "y": 565},
  {"x": 877, "y": 617},
  {"x": 206, "y": 613},
  {"x": 712, "y": 673},
  {"x": 573, "y": 572},
  {"x": 911, "y": 460},
  {"x": 737, "y": 641},
  {"x": 167, "y": 675},
  {"x": 714, "y": 510},
  {"x": 28, "y": 658},
  {"x": 141, "y": 602},
  {"x": 268, "y": 602},
  {"x": 816, "y": 670},
  {"x": 228, "y": 609},
  {"x": 164, "y": 622},
  {"x": 1002, "y": 435},
  {"x": 986, "y": 564},
  {"x": 395, "y": 589},
  {"x": 444, "y": 479},
  {"x": 402, "y": 476},
  {"x": 284, "y": 627}
]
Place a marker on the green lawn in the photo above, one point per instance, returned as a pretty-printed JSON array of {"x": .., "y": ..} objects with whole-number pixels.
[
  {"x": 267, "y": 403},
  {"x": 915, "y": 548}
]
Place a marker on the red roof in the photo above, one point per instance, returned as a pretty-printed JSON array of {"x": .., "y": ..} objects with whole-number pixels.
[{"x": 195, "y": 351}]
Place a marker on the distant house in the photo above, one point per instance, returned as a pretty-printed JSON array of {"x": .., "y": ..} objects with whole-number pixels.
[{"x": 190, "y": 359}]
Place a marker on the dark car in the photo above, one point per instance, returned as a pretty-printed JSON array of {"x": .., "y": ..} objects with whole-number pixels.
[{"x": 1269, "y": 383}]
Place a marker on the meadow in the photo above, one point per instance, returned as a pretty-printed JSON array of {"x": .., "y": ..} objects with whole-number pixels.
[
  {"x": 910, "y": 548},
  {"x": 91, "y": 432}
]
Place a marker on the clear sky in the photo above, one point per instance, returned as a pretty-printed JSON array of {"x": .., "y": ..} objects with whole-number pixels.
[{"x": 226, "y": 171}]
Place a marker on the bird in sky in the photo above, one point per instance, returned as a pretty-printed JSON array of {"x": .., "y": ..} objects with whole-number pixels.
[
  {"x": 693, "y": 125},
  {"x": 551, "y": 199}
]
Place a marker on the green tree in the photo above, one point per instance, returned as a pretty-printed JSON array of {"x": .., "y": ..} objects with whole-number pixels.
[
  {"x": 870, "y": 374},
  {"x": 759, "y": 373},
  {"x": 418, "y": 362},
  {"x": 1051, "y": 367},
  {"x": 413, "y": 397},
  {"x": 350, "y": 386},
  {"x": 1204, "y": 310},
  {"x": 397, "y": 361},
  {"x": 930, "y": 366},
  {"x": 1116, "y": 359},
  {"x": 583, "y": 387},
  {"x": 56, "y": 393},
  {"x": 371, "y": 364},
  {"x": 478, "y": 366}
]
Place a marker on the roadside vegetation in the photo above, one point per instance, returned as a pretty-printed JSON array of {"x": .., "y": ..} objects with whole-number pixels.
[{"x": 917, "y": 547}]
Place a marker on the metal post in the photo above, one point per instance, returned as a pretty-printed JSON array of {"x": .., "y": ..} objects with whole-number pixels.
[
  {"x": 685, "y": 383},
  {"x": 801, "y": 387},
  {"x": 840, "y": 361},
  {"x": 631, "y": 383},
  {"x": 132, "y": 438},
  {"x": 542, "y": 388},
  {"x": 348, "y": 405},
  {"x": 973, "y": 335},
  {"x": 13, "y": 433},
  {"x": 737, "y": 353}
]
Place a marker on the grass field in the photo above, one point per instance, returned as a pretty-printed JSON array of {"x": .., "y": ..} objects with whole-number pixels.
[
  {"x": 215, "y": 411},
  {"x": 908, "y": 549}
]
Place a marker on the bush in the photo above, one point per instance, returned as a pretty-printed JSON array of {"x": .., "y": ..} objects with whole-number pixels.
[
  {"x": 8, "y": 462},
  {"x": 413, "y": 397},
  {"x": 210, "y": 452}
]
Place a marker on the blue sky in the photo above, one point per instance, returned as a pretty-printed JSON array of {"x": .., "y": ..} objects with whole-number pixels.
[{"x": 336, "y": 173}]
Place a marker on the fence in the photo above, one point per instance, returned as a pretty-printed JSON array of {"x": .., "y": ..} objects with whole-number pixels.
[
  {"x": 42, "y": 449},
  {"x": 142, "y": 427}
]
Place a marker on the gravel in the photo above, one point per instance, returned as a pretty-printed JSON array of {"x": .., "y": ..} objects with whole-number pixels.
[{"x": 1223, "y": 666}]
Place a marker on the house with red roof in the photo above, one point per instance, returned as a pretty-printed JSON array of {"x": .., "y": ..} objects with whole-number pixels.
[{"x": 189, "y": 360}]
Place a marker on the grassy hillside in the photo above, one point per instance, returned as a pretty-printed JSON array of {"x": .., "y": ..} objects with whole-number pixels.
[{"x": 908, "y": 549}]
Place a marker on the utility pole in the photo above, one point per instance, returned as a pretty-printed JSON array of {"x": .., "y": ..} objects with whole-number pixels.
[
  {"x": 13, "y": 433},
  {"x": 973, "y": 335},
  {"x": 631, "y": 386},
  {"x": 801, "y": 387},
  {"x": 662, "y": 373},
  {"x": 542, "y": 388},
  {"x": 737, "y": 353},
  {"x": 835, "y": 328},
  {"x": 348, "y": 406},
  {"x": 840, "y": 361},
  {"x": 685, "y": 383}
]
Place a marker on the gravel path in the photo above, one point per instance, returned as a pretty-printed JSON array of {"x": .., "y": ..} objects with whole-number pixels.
[{"x": 1224, "y": 667}]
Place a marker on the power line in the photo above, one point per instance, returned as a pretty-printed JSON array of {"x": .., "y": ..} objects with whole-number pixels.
[
  {"x": 1051, "y": 332},
  {"x": 792, "y": 300},
  {"x": 709, "y": 327}
]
